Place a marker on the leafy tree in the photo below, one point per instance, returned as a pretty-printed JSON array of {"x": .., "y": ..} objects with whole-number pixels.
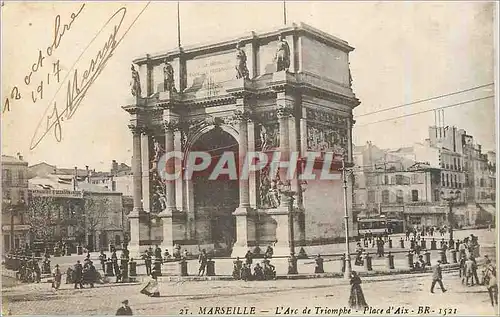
[
  {"x": 42, "y": 217},
  {"x": 95, "y": 213}
]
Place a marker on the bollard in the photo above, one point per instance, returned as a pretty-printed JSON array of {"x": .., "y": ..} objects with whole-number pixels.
[
  {"x": 183, "y": 268},
  {"x": 453, "y": 256},
  {"x": 132, "y": 266},
  {"x": 423, "y": 244},
  {"x": 157, "y": 267},
  {"x": 109, "y": 268},
  {"x": 402, "y": 243},
  {"x": 292, "y": 264},
  {"x": 342, "y": 263},
  {"x": 433, "y": 244},
  {"x": 368, "y": 262},
  {"x": 79, "y": 250},
  {"x": 427, "y": 258},
  {"x": 390, "y": 243},
  {"x": 410, "y": 260},
  {"x": 210, "y": 268},
  {"x": 442, "y": 255},
  {"x": 390, "y": 261},
  {"x": 124, "y": 271}
]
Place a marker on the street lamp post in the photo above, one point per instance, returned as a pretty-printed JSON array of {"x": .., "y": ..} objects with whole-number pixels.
[
  {"x": 453, "y": 195},
  {"x": 348, "y": 267}
]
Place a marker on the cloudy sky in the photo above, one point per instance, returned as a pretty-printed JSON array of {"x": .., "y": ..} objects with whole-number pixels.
[{"x": 404, "y": 51}]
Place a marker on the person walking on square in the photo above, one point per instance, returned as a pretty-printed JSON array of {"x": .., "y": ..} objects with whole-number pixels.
[
  {"x": 470, "y": 267},
  {"x": 202, "y": 259},
  {"x": 437, "y": 277},
  {"x": 78, "y": 274},
  {"x": 491, "y": 282},
  {"x": 124, "y": 310},
  {"x": 147, "y": 262},
  {"x": 103, "y": 258},
  {"x": 357, "y": 298},
  {"x": 57, "y": 277}
]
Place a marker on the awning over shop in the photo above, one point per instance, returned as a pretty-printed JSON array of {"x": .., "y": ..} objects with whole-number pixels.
[{"x": 489, "y": 208}]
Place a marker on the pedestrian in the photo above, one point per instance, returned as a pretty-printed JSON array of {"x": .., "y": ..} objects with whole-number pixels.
[
  {"x": 103, "y": 258},
  {"x": 124, "y": 310},
  {"x": 78, "y": 275},
  {"x": 57, "y": 277},
  {"x": 147, "y": 262},
  {"x": 490, "y": 280},
  {"x": 437, "y": 277},
  {"x": 114, "y": 259},
  {"x": 151, "y": 289},
  {"x": 357, "y": 298},
  {"x": 202, "y": 259},
  {"x": 248, "y": 257},
  {"x": 470, "y": 267}
]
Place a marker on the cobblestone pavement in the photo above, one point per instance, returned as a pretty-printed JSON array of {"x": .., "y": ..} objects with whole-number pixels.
[{"x": 409, "y": 291}]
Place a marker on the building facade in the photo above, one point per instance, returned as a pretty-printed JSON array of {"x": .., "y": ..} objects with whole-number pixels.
[
  {"x": 260, "y": 92},
  {"x": 411, "y": 182},
  {"x": 75, "y": 208},
  {"x": 14, "y": 198}
]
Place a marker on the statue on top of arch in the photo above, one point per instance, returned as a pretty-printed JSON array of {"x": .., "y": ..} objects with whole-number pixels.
[
  {"x": 136, "y": 83},
  {"x": 282, "y": 57},
  {"x": 168, "y": 77},
  {"x": 241, "y": 63}
]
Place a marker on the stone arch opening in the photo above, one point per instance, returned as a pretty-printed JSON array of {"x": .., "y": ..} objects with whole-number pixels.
[{"x": 215, "y": 200}]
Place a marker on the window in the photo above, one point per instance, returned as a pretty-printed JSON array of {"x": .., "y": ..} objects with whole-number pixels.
[
  {"x": 399, "y": 196},
  {"x": 386, "y": 180},
  {"x": 437, "y": 195},
  {"x": 20, "y": 177},
  {"x": 399, "y": 179},
  {"x": 443, "y": 182},
  {"x": 447, "y": 181},
  {"x": 6, "y": 194},
  {"x": 414, "y": 195},
  {"x": 385, "y": 196},
  {"x": 456, "y": 183},
  {"x": 371, "y": 196},
  {"x": 455, "y": 163},
  {"x": 7, "y": 177}
]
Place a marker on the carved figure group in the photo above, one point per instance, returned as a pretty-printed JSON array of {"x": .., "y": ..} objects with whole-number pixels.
[
  {"x": 158, "y": 149},
  {"x": 168, "y": 77},
  {"x": 136, "y": 83},
  {"x": 282, "y": 57},
  {"x": 241, "y": 63},
  {"x": 268, "y": 190}
]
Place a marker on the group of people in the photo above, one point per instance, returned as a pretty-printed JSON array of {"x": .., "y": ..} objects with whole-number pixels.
[
  {"x": 261, "y": 271},
  {"x": 418, "y": 232},
  {"x": 29, "y": 270},
  {"x": 81, "y": 274}
]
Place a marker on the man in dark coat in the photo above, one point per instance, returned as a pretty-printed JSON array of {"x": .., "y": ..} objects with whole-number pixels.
[
  {"x": 203, "y": 260},
  {"x": 125, "y": 310},
  {"x": 78, "y": 274},
  {"x": 437, "y": 277}
]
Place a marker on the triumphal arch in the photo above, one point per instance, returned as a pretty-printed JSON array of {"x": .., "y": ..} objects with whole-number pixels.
[{"x": 287, "y": 90}]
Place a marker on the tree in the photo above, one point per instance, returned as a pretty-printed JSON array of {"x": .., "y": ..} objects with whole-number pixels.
[
  {"x": 42, "y": 218},
  {"x": 95, "y": 215}
]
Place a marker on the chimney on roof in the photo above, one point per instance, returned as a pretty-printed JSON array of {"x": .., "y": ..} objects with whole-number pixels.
[
  {"x": 114, "y": 167},
  {"x": 89, "y": 173},
  {"x": 75, "y": 179},
  {"x": 19, "y": 156}
]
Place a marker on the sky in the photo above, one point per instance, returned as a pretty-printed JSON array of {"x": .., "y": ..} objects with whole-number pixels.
[{"x": 404, "y": 51}]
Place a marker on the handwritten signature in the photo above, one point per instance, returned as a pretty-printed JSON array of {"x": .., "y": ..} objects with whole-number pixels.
[{"x": 76, "y": 82}]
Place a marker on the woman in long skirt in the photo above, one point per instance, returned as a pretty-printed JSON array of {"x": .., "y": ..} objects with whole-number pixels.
[
  {"x": 357, "y": 299},
  {"x": 151, "y": 289}
]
